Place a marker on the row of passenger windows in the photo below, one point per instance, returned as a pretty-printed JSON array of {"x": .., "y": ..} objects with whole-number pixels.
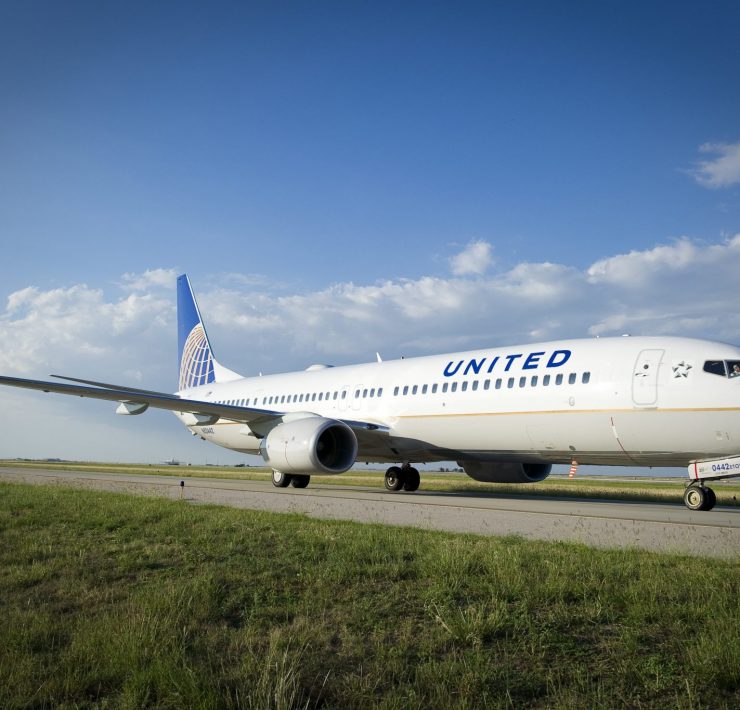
[
  {"x": 297, "y": 398},
  {"x": 473, "y": 385},
  {"x": 509, "y": 383}
]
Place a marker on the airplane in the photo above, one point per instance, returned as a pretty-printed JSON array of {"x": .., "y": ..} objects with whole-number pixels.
[{"x": 506, "y": 415}]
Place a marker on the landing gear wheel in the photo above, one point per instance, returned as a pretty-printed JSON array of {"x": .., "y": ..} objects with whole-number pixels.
[
  {"x": 411, "y": 479},
  {"x": 300, "y": 481},
  {"x": 394, "y": 479},
  {"x": 711, "y": 499},
  {"x": 697, "y": 497},
  {"x": 280, "y": 479}
]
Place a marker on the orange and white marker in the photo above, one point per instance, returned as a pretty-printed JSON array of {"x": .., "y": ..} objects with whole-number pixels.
[{"x": 573, "y": 469}]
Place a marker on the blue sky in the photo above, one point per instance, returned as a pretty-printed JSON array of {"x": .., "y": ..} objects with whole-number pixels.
[{"x": 315, "y": 166}]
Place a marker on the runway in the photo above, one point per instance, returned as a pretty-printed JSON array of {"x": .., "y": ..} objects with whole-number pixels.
[{"x": 661, "y": 527}]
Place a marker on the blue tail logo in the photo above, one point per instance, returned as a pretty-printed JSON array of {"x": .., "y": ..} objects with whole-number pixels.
[{"x": 196, "y": 359}]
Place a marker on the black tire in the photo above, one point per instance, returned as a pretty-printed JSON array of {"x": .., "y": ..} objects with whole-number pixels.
[
  {"x": 711, "y": 499},
  {"x": 299, "y": 481},
  {"x": 394, "y": 479},
  {"x": 412, "y": 479},
  {"x": 695, "y": 497},
  {"x": 280, "y": 479}
]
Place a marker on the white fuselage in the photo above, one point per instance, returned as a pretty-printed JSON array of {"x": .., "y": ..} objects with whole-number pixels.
[{"x": 615, "y": 401}]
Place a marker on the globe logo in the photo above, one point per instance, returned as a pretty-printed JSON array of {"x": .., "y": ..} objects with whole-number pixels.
[{"x": 196, "y": 366}]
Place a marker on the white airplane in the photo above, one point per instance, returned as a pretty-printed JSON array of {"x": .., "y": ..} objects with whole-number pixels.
[{"x": 504, "y": 414}]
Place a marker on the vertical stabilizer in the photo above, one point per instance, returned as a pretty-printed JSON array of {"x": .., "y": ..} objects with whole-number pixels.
[{"x": 197, "y": 364}]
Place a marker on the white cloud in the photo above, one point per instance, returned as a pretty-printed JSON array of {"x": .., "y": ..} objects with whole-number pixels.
[
  {"x": 152, "y": 278},
  {"x": 721, "y": 171},
  {"x": 76, "y": 328},
  {"x": 474, "y": 259}
]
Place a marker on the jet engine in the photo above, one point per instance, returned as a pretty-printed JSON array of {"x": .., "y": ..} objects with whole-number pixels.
[
  {"x": 310, "y": 445},
  {"x": 497, "y": 472}
]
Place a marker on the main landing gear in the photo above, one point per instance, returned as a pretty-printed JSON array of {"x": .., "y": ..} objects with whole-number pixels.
[
  {"x": 283, "y": 480},
  {"x": 699, "y": 497},
  {"x": 398, "y": 477}
]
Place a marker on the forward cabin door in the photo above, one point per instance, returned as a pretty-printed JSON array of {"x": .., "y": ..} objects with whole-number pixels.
[{"x": 645, "y": 378}]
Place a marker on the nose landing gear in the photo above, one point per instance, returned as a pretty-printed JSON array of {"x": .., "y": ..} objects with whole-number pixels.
[
  {"x": 398, "y": 477},
  {"x": 699, "y": 497}
]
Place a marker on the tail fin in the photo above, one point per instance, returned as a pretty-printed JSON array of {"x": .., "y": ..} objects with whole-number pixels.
[{"x": 197, "y": 364}]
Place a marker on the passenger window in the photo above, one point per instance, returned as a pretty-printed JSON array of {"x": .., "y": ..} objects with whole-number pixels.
[
  {"x": 380, "y": 391},
  {"x": 424, "y": 389},
  {"x": 454, "y": 387},
  {"x": 715, "y": 367},
  {"x": 475, "y": 385},
  {"x": 364, "y": 394},
  {"x": 395, "y": 391},
  {"x": 405, "y": 390},
  {"x": 357, "y": 394},
  {"x": 572, "y": 378},
  {"x": 545, "y": 380},
  {"x": 336, "y": 394},
  {"x": 464, "y": 386},
  {"x": 522, "y": 381},
  {"x": 586, "y": 378},
  {"x": 498, "y": 383},
  {"x": 321, "y": 396},
  {"x": 487, "y": 385},
  {"x": 414, "y": 389},
  {"x": 559, "y": 379},
  {"x": 344, "y": 394},
  {"x": 510, "y": 384},
  {"x": 434, "y": 389},
  {"x": 444, "y": 387},
  {"x": 533, "y": 381}
]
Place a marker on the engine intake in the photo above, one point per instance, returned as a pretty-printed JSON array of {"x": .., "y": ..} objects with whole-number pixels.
[
  {"x": 310, "y": 445},
  {"x": 498, "y": 472}
]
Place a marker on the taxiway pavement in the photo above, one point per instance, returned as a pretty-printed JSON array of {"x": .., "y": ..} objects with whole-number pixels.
[{"x": 662, "y": 527}]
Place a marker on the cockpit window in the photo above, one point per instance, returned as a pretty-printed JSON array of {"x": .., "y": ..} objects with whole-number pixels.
[
  {"x": 716, "y": 367},
  {"x": 725, "y": 368}
]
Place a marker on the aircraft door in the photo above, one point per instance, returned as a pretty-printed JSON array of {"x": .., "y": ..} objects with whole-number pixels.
[{"x": 645, "y": 378}]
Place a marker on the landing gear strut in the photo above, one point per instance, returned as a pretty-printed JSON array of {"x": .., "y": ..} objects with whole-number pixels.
[
  {"x": 405, "y": 477},
  {"x": 699, "y": 497}
]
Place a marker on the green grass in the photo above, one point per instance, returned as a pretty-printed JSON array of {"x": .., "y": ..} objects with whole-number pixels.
[
  {"x": 727, "y": 491},
  {"x": 111, "y": 600}
]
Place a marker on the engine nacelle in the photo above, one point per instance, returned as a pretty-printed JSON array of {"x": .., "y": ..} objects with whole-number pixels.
[
  {"x": 497, "y": 472},
  {"x": 310, "y": 445}
]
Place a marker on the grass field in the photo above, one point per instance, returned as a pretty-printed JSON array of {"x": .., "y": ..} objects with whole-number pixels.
[
  {"x": 111, "y": 600},
  {"x": 727, "y": 491}
]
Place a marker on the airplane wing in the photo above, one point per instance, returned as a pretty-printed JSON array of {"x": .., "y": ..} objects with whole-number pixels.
[{"x": 162, "y": 400}]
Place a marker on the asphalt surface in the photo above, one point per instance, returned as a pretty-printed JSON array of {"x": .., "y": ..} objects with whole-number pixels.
[{"x": 663, "y": 527}]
